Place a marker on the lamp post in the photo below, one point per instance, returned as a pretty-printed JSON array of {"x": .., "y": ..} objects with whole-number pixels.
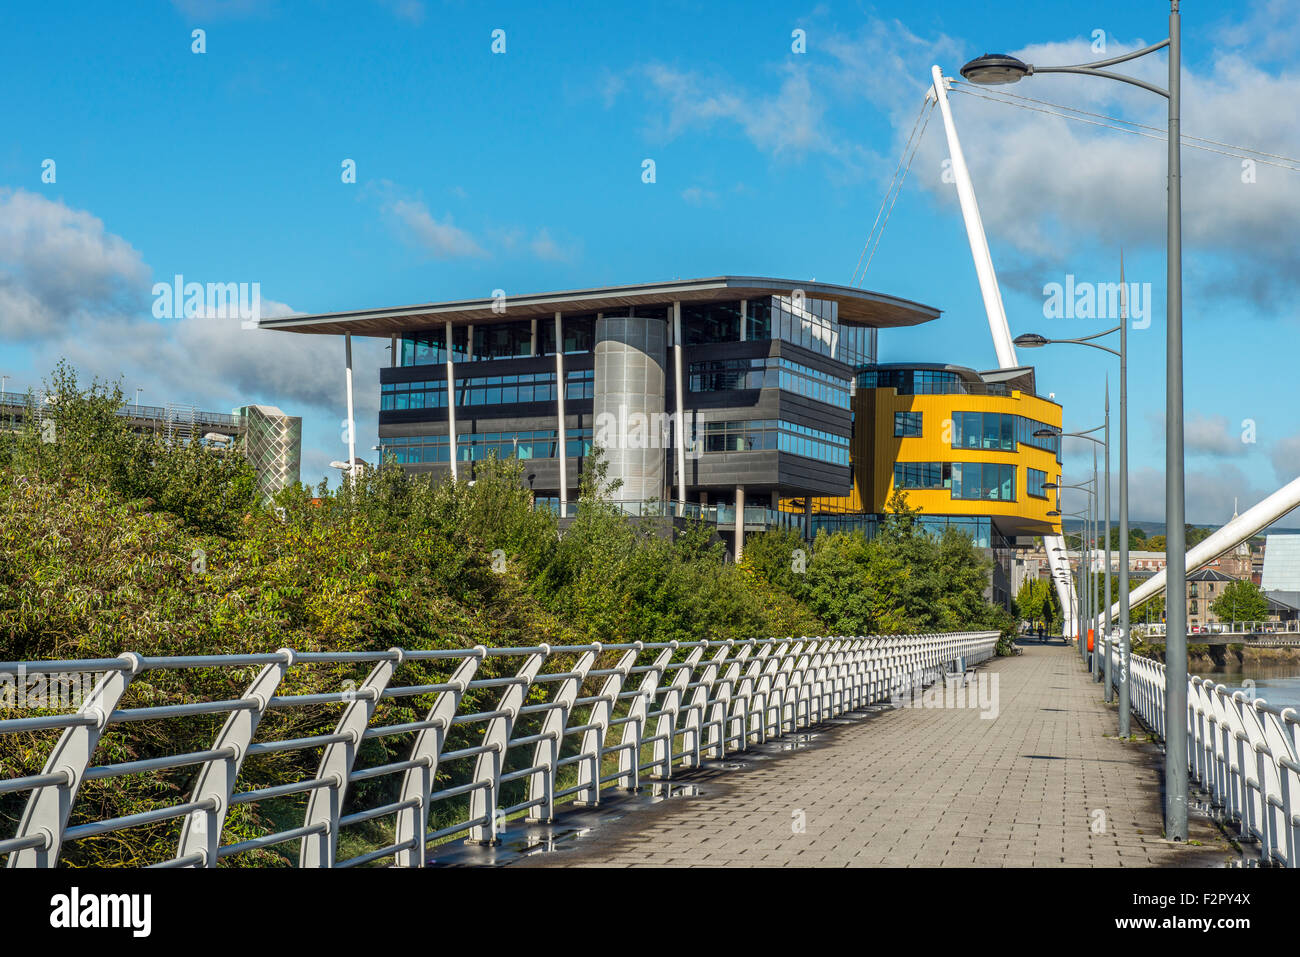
[
  {"x": 1032, "y": 341},
  {"x": 1086, "y": 434},
  {"x": 1084, "y": 594},
  {"x": 998, "y": 69}
]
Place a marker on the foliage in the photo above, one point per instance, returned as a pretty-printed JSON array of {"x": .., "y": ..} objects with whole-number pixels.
[
  {"x": 1038, "y": 602},
  {"x": 110, "y": 542},
  {"x": 1240, "y": 601}
]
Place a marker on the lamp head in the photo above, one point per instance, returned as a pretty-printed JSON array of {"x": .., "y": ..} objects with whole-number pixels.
[
  {"x": 1031, "y": 340},
  {"x": 995, "y": 69}
]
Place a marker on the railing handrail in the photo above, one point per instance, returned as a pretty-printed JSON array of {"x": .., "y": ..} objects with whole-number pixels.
[
  {"x": 1242, "y": 750},
  {"x": 649, "y": 707}
]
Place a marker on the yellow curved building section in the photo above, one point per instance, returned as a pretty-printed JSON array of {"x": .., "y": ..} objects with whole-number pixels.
[{"x": 943, "y": 440}]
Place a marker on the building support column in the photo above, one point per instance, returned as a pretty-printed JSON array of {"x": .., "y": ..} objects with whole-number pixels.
[
  {"x": 395, "y": 358},
  {"x": 680, "y": 429},
  {"x": 352, "y": 425},
  {"x": 562, "y": 448},
  {"x": 740, "y": 522},
  {"x": 744, "y": 319},
  {"x": 533, "y": 351},
  {"x": 807, "y": 518},
  {"x": 451, "y": 404}
]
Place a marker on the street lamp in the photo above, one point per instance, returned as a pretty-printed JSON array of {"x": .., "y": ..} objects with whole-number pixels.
[
  {"x": 991, "y": 70},
  {"x": 1086, "y": 597},
  {"x": 1034, "y": 341},
  {"x": 1105, "y": 630}
]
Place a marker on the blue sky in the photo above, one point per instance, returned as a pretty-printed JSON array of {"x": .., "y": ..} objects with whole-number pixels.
[{"x": 523, "y": 171}]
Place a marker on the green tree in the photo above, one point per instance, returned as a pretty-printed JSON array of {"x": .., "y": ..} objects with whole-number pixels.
[
  {"x": 1240, "y": 601},
  {"x": 1037, "y": 602}
]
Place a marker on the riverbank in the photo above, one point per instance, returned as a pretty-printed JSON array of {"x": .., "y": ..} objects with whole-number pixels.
[{"x": 1234, "y": 657}]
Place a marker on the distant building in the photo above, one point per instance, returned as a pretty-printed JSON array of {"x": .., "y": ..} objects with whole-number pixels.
[
  {"x": 1281, "y": 564},
  {"x": 271, "y": 440},
  {"x": 273, "y": 444}
]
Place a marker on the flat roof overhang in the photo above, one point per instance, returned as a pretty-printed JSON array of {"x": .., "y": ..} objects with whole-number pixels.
[{"x": 859, "y": 307}]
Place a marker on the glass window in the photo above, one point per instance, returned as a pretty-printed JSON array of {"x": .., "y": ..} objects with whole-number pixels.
[{"x": 907, "y": 424}]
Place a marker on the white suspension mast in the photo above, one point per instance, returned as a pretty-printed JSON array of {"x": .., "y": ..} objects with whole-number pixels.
[{"x": 997, "y": 315}]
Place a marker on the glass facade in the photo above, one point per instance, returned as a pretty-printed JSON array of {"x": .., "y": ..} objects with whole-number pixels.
[
  {"x": 769, "y": 373},
  {"x": 926, "y": 382},
  {"x": 1034, "y": 482},
  {"x": 710, "y": 322},
  {"x": 1001, "y": 431},
  {"x": 812, "y": 324},
  {"x": 907, "y": 425},
  {"x": 986, "y": 480},
  {"x": 538, "y": 444},
  {"x": 772, "y": 434},
  {"x": 486, "y": 390},
  {"x": 967, "y": 480}
]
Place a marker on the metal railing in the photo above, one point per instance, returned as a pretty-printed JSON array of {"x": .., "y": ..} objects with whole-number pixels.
[
  {"x": 1243, "y": 751},
  {"x": 494, "y": 732},
  {"x": 151, "y": 413},
  {"x": 1265, "y": 629}
]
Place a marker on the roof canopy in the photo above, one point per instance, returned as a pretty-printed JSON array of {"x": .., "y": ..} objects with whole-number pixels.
[{"x": 855, "y": 306}]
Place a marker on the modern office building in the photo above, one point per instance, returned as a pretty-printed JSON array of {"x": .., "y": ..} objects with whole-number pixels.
[
  {"x": 707, "y": 393},
  {"x": 753, "y": 402}
]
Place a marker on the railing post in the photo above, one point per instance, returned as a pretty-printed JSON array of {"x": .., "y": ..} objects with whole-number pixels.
[
  {"x": 629, "y": 758},
  {"x": 325, "y": 805},
  {"x": 418, "y": 783},
  {"x": 666, "y": 726},
  {"x": 201, "y": 832},
  {"x": 496, "y": 737},
  {"x": 47, "y": 809},
  {"x": 593, "y": 739},
  {"x": 547, "y": 751}
]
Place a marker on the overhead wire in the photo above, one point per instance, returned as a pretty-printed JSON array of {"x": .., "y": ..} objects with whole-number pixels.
[{"x": 1128, "y": 126}]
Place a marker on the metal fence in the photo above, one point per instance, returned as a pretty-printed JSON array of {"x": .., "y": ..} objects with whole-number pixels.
[
  {"x": 1257, "y": 629},
  {"x": 1241, "y": 749},
  {"x": 494, "y": 732}
]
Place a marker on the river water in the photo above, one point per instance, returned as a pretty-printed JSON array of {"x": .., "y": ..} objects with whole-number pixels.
[{"x": 1278, "y": 684}]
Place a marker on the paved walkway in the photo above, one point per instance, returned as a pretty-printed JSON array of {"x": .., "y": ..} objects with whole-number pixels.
[{"x": 1040, "y": 785}]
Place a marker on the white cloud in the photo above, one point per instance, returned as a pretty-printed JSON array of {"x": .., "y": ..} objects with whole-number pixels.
[
  {"x": 71, "y": 289},
  {"x": 1286, "y": 458},
  {"x": 59, "y": 267},
  {"x": 545, "y": 247},
  {"x": 698, "y": 196},
  {"x": 443, "y": 240},
  {"x": 1210, "y": 495},
  {"x": 1212, "y": 435}
]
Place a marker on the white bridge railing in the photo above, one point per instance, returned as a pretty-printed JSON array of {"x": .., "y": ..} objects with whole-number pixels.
[
  {"x": 1242, "y": 750},
  {"x": 426, "y": 746}
]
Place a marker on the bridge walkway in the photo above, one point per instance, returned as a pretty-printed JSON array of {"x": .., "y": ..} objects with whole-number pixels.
[{"x": 1040, "y": 785}]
